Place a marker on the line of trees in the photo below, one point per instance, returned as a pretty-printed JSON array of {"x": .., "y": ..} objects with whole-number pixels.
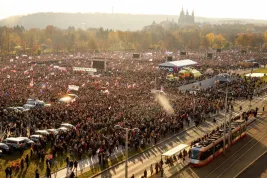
[{"x": 17, "y": 40}]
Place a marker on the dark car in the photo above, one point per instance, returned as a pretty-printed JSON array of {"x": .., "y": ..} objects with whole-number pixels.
[{"x": 4, "y": 148}]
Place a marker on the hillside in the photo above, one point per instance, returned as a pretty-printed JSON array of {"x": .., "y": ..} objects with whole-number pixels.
[{"x": 96, "y": 20}]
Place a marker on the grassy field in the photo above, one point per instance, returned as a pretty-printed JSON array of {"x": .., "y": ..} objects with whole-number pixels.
[
  {"x": 7, "y": 160},
  {"x": 260, "y": 70},
  {"x": 96, "y": 169}
]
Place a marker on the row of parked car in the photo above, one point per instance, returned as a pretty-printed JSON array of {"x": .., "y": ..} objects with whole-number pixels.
[
  {"x": 36, "y": 103},
  {"x": 11, "y": 144}
]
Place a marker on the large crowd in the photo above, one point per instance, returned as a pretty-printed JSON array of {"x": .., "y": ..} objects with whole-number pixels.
[{"x": 120, "y": 95}]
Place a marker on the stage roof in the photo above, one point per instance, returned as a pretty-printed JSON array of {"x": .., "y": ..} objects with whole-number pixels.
[{"x": 180, "y": 63}]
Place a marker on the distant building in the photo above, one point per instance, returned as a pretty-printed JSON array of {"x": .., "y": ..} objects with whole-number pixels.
[{"x": 186, "y": 19}]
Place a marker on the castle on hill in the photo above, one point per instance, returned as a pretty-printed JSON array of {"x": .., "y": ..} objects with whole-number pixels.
[{"x": 186, "y": 19}]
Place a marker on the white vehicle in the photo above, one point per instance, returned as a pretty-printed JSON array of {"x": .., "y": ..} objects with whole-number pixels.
[
  {"x": 36, "y": 138},
  {"x": 66, "y": 125},
  {"x": 42, "y": 132},
  {"x": 28, "y": 141},
  {"x": 32, "y": 103},
  {"x": 17, "y": 109},
  {"x": 53, "y": 131},
  {"x": 15, "y": 142},
  {"x": 63, "y": 129}
]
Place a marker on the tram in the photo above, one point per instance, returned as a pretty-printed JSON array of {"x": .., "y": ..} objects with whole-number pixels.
[{"x": 209, "y": 148}]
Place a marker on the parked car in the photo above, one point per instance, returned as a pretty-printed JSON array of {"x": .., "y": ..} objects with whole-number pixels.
[
  {"x": 67, "y": 125},
  {"x": 42, "y": 132},
  {"x": 63, "y": 129},
  {"x": 16, "y": 143},
  {"x": 52, "y": 131},
  {"x": 32, "y": 103},
  {"x": 17, "y": 109},
  {"x": 28, "y": 141},
  {"x": 4, "y": 148},
  {"x": 36, "y": 138}
]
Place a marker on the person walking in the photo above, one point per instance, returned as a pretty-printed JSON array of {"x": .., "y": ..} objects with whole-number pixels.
[{"x": 151, "y": 169}]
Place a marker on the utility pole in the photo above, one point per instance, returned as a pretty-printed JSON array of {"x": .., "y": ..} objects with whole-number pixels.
[{"x": 230, "y": 128}]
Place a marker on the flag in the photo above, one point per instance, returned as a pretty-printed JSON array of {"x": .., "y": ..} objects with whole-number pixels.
[{"x": 31, "y": 84}]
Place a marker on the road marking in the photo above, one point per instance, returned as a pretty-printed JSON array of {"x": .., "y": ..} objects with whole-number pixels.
[{"x": 250, "y": 164}]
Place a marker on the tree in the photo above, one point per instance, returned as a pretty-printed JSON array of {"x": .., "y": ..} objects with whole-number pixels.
[
  {"x": 210, "y": 38},
  {"x": 220, "y": 41}
]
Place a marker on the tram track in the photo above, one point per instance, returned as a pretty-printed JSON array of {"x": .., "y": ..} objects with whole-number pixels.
[
  {"x": 254, "y": 140},
  {"x": 189, "y": 172}
]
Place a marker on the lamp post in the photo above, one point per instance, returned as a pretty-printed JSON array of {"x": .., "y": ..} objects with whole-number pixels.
[
  {"x": 224, "y": 130},
  {"x": 118, "y": 127}
]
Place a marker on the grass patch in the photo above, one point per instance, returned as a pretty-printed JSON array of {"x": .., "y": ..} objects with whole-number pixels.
[
  {"x": 34, "y": 163},
  {"x": 260, "y": 70},
  {"x": 96, "y": 168}
]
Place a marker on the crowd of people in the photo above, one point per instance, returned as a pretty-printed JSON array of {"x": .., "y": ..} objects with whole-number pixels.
[{"x": 120, "y": 95}]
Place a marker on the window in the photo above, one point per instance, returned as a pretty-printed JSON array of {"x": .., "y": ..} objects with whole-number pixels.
[
  {"x": 195, "y": 154},
  {"x": 219, "y": 145},
  {"x": 206, "y": 154}
]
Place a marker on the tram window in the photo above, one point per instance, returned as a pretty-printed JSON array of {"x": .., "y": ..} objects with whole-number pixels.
[
  {"x": 195, "y": 154},
  {"x": 206, "y": 154},
  {"x": 219, "y": 146}
]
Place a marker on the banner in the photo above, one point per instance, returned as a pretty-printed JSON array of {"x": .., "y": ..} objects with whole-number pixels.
[
  {"x": 84, "y": 69},
  {"x": 73, "y": 87}
]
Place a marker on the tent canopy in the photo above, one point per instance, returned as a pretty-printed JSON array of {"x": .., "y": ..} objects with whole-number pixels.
[
  {"x": 179, "y": 64},
  {"x": 175, "y": 150}
]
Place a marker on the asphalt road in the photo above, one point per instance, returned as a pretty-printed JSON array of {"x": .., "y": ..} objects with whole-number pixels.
[
  {"x": 237, "y": 158},
  {"x": 256, "y": 169}
]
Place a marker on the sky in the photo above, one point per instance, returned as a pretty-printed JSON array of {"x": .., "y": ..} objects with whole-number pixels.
[{"x": 204, "y": 8}]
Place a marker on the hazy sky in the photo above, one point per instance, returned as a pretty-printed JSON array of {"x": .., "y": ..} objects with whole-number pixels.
[{"x": 205, "y": 8}]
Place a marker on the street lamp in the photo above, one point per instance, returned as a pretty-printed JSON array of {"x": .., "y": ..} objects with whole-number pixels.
[
  {"x": 118, "y": 127},
  {"x": 224, "y": 130}
]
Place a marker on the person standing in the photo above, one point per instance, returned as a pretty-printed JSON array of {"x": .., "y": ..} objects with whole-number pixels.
[
  {"x": 27, "y": 160},
  {"x": 151, "y": 169},
  {"x": 37, "y": 175},
  {"x": 75, "y": 165},
  {"x": 48, "y": 172},
  {"x": 145, "y": 174}
]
